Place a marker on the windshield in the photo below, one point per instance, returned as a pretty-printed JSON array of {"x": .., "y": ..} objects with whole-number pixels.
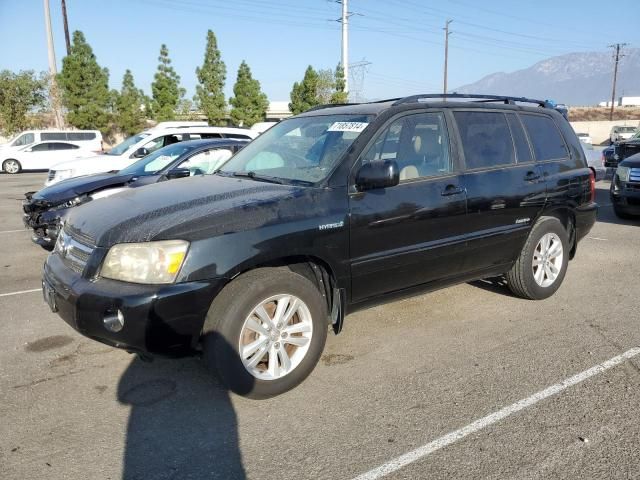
[
  {"x": 627, "y": 129},
  {"x": 125, "y": 145},
  {"x": 302, "y": 149},
  {"x": 156, "y": 161}
]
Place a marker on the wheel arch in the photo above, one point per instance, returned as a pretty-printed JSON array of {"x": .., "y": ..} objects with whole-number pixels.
[{"x": 320, "y": 273}]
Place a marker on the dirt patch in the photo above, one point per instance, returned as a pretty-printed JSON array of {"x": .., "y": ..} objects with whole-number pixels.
[
  {"x": 336, "y": 359},
  {"x": 48, "y": 343}
]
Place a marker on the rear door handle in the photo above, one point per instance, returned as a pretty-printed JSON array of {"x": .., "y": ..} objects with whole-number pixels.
[
  {"x": 531, "y": 177},
  {"x": 452, "y": 190}
]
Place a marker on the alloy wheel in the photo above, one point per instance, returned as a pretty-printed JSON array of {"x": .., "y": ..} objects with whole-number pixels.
[{"x": 547, "y": 259}]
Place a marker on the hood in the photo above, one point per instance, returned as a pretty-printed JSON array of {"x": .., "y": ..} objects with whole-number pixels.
[
  {"x": 94, "y": 164},
  {"x": 73, "y": 187},
  {"x": 632, "y": 162},
  {"x": 189, "y": 209}
]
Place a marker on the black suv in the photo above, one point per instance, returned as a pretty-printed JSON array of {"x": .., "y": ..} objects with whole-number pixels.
[
  {"x": 625, "y": 188},
  {"x": 326, "y": 212}
]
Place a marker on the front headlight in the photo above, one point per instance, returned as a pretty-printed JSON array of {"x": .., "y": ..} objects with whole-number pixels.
[
  {"x": 148, "y": 262},
  {"x": 623, "y": 173}
]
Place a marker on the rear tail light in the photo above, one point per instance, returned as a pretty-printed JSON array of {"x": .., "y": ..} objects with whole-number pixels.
[{"x": 592, "y": 185}]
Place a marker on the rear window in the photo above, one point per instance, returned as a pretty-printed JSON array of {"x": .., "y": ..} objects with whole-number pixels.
[
  {"x": 486, "y": 139},
  {"x": 545, "y": 137}
]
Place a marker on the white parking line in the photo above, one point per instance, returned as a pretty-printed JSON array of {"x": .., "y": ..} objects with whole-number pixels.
[
  {"x": 597, "y": 238},
  {"x": 448, "y": 439},
  {"x": 15, "y": 231},
  {"x": 20, "y": 292}
]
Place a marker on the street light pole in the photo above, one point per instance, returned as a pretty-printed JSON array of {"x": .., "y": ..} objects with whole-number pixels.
[{"x": 53, "y": 71}]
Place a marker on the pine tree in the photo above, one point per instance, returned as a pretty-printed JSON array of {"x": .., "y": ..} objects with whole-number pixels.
[
  {"x": 129, "y": 102},
  {"x": 211, "y": 77},
  {"x": 85, "y": 87},
  {"x": 340, "y": 96},
  {"x": 249, "y": 103},
  {"x": 165, "y": 89},
  {"x": 19, "y": 94},
  {"x": 304, "y": 95}
]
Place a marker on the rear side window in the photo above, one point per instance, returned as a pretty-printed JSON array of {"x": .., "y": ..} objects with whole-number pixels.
[
  {"x": 62, "y": 146},
  {"x": 53, "y": 136},
  {"x": 523, "y": 152},
  {"x": 486, "y": 139},
  {"x": 78, "y": 136},
  {"x": 545, "y": 137}
]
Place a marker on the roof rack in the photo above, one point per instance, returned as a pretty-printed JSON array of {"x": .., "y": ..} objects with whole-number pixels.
[
  {"x": 329, "y": 105},
  {"x": 479, "y": 98}
]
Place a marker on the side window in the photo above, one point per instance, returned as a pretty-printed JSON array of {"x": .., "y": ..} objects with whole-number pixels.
[
  {"x": 207, "y": 162},
  {"x": 237, "y": 135},
  {"x": 54, "y": 136},
  {"x": 155, "y": 144},
  {"x": 418, "y": 143},
  {"x": 486, "y": 139},
  {"x": 78, "y": 136},
  {"x": 41, "y": 147},
  {"x": 61, "y": 146},
  {"x": 25, "y": 139},
  {"x": 545, "y": 137},
  {"x": 210, "y": 135},
  {"x": 523, "y": 152}
]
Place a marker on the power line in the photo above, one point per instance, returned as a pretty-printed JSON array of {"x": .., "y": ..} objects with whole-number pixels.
[{"x": 617, "y": 57}]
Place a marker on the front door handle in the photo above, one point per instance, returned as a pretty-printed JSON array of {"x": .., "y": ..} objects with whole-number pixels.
[
  {"x": 452, "y": 189},
  {"x": 531, "y": 177}
]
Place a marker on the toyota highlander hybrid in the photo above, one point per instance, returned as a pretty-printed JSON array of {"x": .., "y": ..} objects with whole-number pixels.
[{"x": 327, "y": 212}]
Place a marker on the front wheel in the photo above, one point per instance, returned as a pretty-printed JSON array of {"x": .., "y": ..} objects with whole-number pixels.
[
  {"x": 542, "y": 264},
  {"x": 265, "y": 332},
  {"x": 11, "y": 166}
]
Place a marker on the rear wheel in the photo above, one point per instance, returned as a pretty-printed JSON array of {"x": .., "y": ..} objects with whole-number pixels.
[
  {"x": 542, "y": 264},
  {"x": 621, "y": 214},
  {"x": 265, "y": 332},
  {"x": 11, "y": 166}
]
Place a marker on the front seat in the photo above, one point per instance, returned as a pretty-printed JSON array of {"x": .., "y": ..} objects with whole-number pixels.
[{"x": 409, "y": 168}]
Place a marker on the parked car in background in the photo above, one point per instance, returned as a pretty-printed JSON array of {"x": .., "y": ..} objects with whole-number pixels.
[
  {"x": 585, "y": 137},
  {"x": 621, "y": 132},
  {"x": 617, "y": 152},
  {"x": 85, "y": 139},
  {"x": 607, "y": 156},
  {"x": 45, "y": 210},
  {"x": 40, "y": 156},
  {"x": 262, "y": 127},
  {"x": 139, "y": 146},
  {"x": 594, "y": 161},
  {"x": 327, "y": 212},
  {"x": 625, "y": 188}
]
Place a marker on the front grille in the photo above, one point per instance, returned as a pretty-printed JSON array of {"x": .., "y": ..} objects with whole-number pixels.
[
  {"x": 51, "y": 176},
  {"x": 74, "y": 254},
  {"x": 634, "y": 175}
]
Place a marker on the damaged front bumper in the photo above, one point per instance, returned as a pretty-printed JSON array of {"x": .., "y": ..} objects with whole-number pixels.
[{"x": 44, "y": 219}]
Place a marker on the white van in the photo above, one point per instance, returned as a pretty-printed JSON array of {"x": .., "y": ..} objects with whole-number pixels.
[
  {"x": 85, "y": 139},
  {"x": 139, "y": 146}
]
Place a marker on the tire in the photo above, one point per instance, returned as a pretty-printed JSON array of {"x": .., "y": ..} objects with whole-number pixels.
[
  {"x": 226, "y": 330},
  {"x": 622, "y": 215},
  {"x": 521, "y": 278},
  {"x": 11, "y": 166}
]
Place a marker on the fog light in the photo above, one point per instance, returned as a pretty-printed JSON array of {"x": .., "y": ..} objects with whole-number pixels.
[{"x": 114, "y": 322}]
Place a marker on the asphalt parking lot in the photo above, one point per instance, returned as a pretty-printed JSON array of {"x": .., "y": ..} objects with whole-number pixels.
[{"x": 399, "y": 379}]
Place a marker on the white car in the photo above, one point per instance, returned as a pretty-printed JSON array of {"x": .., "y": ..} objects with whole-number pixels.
[
  {"x": 585, "y": 137},
  {"x": 40, "y": 156},
  {"x": 139, "y": 146},
  {"x": 621, "y": 132},
  {"x": 86, "y": 139}
]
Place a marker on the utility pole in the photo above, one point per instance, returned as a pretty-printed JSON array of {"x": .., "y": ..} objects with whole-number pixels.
[
  {"x": 617, "y": 58},
  {"x": 53, "y": 71},
  {"x": 66, "y": 26},
  {"x": 345, "y": 43},
  {"x": 446, "y": 54}
]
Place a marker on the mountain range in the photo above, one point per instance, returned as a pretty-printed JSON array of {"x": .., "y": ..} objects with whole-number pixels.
[{"x": 582, "y": 78}]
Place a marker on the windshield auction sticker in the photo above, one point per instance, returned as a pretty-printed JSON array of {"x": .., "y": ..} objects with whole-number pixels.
[{"x": 347, "y": 127}]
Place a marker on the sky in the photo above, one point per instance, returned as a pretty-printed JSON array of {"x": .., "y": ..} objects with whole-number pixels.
[{"x": 402, "y": 40}]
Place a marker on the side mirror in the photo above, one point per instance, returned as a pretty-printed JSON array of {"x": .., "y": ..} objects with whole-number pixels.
[
  {"x": 377, "y": 174},
  {"x": 140, "y": 153},
  {"x": 178, "y": 173}
]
